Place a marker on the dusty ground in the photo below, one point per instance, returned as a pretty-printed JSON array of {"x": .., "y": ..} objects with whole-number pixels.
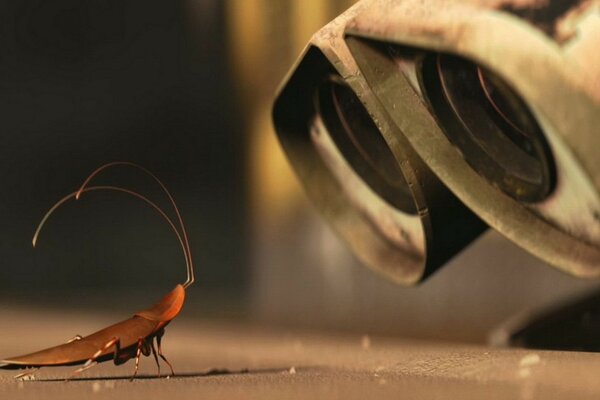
[{"x": 216, "y": 360}]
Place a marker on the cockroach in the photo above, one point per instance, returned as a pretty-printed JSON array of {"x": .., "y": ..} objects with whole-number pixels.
[{"x": 126, "y": 339}]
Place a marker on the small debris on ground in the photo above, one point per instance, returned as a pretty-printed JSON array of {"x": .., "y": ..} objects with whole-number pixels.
[
  {"x": 524, "y": 372},
  {"x": 529, "y": 360},
  {"x": 526, "y": 363},
  {"x": 365, "y": 342}
]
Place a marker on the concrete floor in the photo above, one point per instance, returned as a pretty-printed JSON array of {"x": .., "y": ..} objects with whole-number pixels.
[{"x": 217, "y": 360}]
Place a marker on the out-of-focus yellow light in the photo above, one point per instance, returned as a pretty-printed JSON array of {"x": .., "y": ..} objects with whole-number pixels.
[{"x": 265, "y": 37}]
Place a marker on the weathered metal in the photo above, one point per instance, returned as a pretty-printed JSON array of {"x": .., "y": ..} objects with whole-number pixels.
[
  {"x": 499, "y": 100},
  {"x": 360, "y": 171}
]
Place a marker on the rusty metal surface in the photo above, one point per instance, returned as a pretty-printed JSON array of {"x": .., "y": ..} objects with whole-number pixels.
[
  {"x": 234, "y": 360},
  {"x": 543, "y": 51},
  {"x": 402, "y": 244},
  {"x": 563, "y": 228}
]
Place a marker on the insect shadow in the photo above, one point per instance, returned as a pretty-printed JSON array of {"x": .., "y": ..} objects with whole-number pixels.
[{"x": 184, "y": 375}]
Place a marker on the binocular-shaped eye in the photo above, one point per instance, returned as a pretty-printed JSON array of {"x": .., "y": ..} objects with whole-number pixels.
[
  {"x": 408, "y": 129},
  {"x": 358, "y": 139},
  {"x": 490, "y": 125}
]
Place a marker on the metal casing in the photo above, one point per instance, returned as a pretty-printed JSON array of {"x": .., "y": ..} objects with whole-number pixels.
[
  {"x": 547, "y": 54},
  {"x": 404, "y": 246}
]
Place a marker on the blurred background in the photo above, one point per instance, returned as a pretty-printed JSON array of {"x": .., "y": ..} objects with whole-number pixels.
[{"x": 185, "y": 88}]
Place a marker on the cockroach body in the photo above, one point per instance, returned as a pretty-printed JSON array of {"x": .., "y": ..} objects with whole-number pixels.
[{"x": 126, "y": 339}]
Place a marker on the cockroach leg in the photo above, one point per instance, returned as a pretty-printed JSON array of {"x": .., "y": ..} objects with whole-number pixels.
[
  {"x": 89, "y": 364},
  {"x": 155, "y": 356},
  {"x": 158, "y": 342},
  {"x": 146, "y": 349},
  {"x": 92, "y": 361},
  {"x": 75, "y": 338},
  {"x": 138, "y": 353},
  {"x": 27, "y": 373}
]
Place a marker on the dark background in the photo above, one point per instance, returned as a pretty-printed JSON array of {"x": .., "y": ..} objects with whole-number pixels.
[
  {"x": 185, "y": 89},
  {"x": 87, "y": 82}
]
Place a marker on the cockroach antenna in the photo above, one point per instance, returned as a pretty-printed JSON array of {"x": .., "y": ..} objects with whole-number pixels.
[
  {"x": 118, "y": 189},
  {"x": 189, "y": 263}
]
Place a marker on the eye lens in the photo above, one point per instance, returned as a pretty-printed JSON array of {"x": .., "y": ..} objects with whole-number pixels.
[
  {"x": 360, "y": 141},
  {"x": 490, "y": 125}
]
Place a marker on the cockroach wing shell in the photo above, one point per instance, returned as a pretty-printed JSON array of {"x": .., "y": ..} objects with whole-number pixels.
[
  {"x": 79, "y": 351},
  {"x": 142, "y": 325},
  {"x": 167, "y": 308}
]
